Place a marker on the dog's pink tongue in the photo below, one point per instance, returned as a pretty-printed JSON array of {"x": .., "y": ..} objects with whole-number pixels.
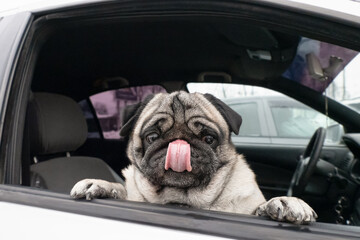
[{"x": 178, "y": 156}]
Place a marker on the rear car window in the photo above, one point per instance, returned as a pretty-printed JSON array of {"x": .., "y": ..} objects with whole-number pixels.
[{"x": 109, "y": 106}]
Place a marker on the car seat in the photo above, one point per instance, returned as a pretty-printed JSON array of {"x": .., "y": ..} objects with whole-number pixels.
[{"x": 56, "y": 125}]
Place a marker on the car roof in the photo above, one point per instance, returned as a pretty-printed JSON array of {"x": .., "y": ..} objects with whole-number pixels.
[
  {"x": 16, "y": 6},
  {"x": 337, "y": 8},
  {"x": 276, "y": 101},
  {"x": 351, "y": 7},
  {"x": 266, "y": 98}
]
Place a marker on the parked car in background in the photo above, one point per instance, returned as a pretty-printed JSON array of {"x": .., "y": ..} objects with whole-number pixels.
[
  {"x": 103, "y": 56},
  {"x": 275, "y": 119}
]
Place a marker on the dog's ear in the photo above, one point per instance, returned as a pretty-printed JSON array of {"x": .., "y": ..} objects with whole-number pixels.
[
  {"x": 131, "y": 114},
  {"x": 232, "y": 118}
]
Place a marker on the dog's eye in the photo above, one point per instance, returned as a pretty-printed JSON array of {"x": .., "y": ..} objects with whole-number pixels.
[
  {"x": 208, "y": 139},
  {"x": 152, "y": 137}
]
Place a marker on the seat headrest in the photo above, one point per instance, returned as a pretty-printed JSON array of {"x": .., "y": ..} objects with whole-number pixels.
[{"x": 56, "y": 124}]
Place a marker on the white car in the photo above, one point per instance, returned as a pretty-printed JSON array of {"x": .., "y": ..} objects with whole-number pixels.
[{"x": 113, "y": 53}]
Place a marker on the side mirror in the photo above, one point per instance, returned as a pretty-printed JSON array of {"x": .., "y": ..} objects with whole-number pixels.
[{"x": 334, "y": 133}]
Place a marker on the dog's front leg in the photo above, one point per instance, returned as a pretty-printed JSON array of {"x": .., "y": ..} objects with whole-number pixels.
[
  {"x": 289, "y": 209},
  {"x": 96, "y": 188}
]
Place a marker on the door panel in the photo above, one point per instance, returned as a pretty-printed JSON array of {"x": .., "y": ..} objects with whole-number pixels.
[{"x": 274, "y": 165}]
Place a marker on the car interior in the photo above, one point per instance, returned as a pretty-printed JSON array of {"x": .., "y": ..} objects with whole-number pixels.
[{"x": 77, "y": 58}]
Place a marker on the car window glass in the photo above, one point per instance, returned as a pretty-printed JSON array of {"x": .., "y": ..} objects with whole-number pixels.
[
  {"x": 336, "y": 73},
  {"x": 93, "y": 130},
  {"x": 317, "y": 64},
  {"x": 296, "y": 121},
  {"x": 276, "y": 116},
  {"x": 345, "y": 86},
  {"x": 109, "y": 107}
]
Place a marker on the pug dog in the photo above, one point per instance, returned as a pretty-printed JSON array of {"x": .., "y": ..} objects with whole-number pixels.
[{"x": 181, "y": 153}]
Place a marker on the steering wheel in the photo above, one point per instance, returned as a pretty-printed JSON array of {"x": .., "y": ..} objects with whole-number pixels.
[{"x": 307, "y": 163}]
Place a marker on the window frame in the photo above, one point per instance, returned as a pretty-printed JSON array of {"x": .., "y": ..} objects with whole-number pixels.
[{"x": 15, "y": 28}]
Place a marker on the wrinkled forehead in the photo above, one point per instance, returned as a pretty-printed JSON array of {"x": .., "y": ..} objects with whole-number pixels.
[{"x": 181, "y": 108}]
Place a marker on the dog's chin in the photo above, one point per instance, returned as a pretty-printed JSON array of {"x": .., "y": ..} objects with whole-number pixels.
[
  {"x": 180, "y": 179},
  {"x": 170, "y": 178}
]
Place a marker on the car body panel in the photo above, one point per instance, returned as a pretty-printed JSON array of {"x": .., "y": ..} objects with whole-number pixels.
[
  {"x": 34, "y": 6},
  {"x": 349, "y": 7},
  {"x": 337, "y": 8},
  {"x": 236, "y": 226},
  {"x": 63, "y": 225}
]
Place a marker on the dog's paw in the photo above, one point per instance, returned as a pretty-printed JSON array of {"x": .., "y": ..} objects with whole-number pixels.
[
  {"x": 289, "y": 209},
  {"x": 95, "y": 188}
]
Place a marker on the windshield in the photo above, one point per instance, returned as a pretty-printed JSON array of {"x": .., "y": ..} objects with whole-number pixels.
[
  {"x": 346, "y": 85},
  {"x": 327, "y": 68}
]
